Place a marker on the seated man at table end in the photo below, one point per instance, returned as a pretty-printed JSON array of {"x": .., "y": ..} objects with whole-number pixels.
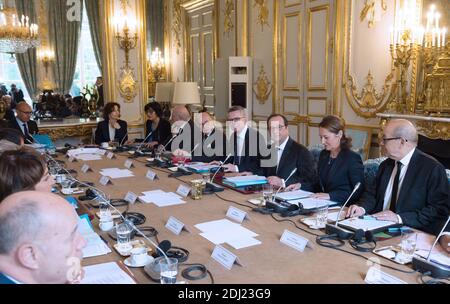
[
  {"x": 39, "y": 240},
  {"x": 411, "y": 186}
]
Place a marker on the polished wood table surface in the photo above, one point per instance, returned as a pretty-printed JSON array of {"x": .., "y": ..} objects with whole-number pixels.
[{"x": 270, "y": 262}]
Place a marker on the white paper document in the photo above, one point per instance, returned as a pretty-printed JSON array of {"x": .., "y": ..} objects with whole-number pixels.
[
  {"x": 312, "y": 203},
  {"x": 108, "y": 273},
  {"x": 225, "y": 231},
  {"x": 293, "y": 195},
  {"x": 116, "y": 173},
  {"x": 85, "y": 154},
  {"x": 161, "y": 198},
  {"x": 440, "y": 258}
]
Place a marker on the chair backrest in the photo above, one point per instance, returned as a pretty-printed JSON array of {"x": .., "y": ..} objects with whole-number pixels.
[
  {"x": 370, "y": 173},
  {"x": 315, "y": 151},
  {"x": 448, "y": 175},
  {"x": 361, "y": 140}
]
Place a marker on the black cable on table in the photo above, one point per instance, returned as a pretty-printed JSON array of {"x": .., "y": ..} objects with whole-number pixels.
[{"x": 230, "y": 201}]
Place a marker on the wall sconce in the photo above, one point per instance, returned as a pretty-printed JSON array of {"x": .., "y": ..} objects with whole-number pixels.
[
  {"x": 126, "y": 36},
  {"x": 156, "y": 70},
  {"x": 47, "y": 56}
]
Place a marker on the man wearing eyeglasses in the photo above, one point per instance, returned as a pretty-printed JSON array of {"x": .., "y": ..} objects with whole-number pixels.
[
  {"x": 290, "y": 155},
  {"x": 213, "y": 140},
  {"x": 411, "y": 187},
  {"x": 23, "y": 122},
  {"x": 245, "y": 143}
]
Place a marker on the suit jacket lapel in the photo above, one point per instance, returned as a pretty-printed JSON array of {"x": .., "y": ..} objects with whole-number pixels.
[
  {"x": 410, "y": 174},
  {"x": 284, "y": 156}
]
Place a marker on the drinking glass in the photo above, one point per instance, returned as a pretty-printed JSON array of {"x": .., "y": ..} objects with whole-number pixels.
[
  {"x": 321, "y": 215},
  {"x": 123, "y": 232},
  {"x": 408, "y": 247},
  {"x": 105, "y": 211},
  {"x": 169, "y": 270},
  {"x": 267, "y": 193}
]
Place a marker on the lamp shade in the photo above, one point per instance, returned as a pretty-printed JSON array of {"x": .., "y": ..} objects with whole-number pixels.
[
  {"x": 164, "y": 91},
  {"x": 186, "y": 93}
]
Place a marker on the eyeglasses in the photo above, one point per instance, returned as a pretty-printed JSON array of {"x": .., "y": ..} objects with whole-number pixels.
[
  {"x": 384, "y": 140},
  {"x": 27, "y": 113},
  {"x": 237, "y": 119}
]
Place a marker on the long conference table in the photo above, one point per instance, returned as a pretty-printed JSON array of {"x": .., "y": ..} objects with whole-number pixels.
[{"x": 272, "y": 262}]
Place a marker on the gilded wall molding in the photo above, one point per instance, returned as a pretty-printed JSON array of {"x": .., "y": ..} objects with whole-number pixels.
[
  {"x": 262, "y": 87},
  {"x": 369, "y": 11},
  {"x": 263, "y": 13},
  {"x": 177, "y": 26},
  {"x": 369, "y": 102},
  {"x": 228, "y": 12}
]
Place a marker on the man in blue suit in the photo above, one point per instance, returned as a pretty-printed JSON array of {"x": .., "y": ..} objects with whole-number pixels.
[{"x": 39, "y": 240}]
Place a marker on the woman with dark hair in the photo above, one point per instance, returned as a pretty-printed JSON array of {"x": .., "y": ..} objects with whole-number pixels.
[
  {"x": 159, "y": 128},
  {"x": 112, "y": 129},
  {"x": 23, "y": 170},
  {"x": 340, "y": 169}
]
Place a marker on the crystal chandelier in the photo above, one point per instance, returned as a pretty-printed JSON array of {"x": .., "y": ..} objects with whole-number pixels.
[{"x": 17, "y": 35}]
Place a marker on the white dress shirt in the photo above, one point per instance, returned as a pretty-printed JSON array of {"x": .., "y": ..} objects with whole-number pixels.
[
  {"x": 240, "y": 145},
  {"x": 112, "y": 133},
  {"x": 405, "y": 164},
  {"x": 280, "y": 150}
]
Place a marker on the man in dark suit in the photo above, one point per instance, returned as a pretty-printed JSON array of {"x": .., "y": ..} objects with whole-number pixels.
[
  {"x": 246, "y": 144},
  {"x": 288, "y": 155},
  {"x": 99, "y": 85},
  {"x": 30, "y": 250},
  {"x": 411, "y": 186},
  {"x": 213, "y": 140},
  {"x": 24, "y": 123},
  {"x": 17, "y": 96},
  {"x": 183, "y": 131}
]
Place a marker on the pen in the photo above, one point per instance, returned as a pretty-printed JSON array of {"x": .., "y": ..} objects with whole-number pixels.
[{"x": 103, "y": 239}]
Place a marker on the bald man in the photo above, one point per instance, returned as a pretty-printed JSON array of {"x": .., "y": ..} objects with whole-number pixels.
[
  {"x": 23, "y": 122},
  {"x": 39, "y": 240},
  {"x": 183, "y": 129},
  {"x": 411, "y": 187}
]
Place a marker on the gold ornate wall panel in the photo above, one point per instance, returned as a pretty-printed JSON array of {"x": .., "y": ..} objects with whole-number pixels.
[
  {"x": 367, "y": 69},
  {"x": 292, "y": 51}
]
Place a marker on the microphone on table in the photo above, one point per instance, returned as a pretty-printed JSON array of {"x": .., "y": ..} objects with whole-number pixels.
[
  {"x": 181, "y": 170},
  {"x": 211, "y": 186},
  {"x": 335, "y": 229},
  {"x": 138, "y": 150},
  {"x": 283, "y": 207},
  {"x": 429, "y": 266}
]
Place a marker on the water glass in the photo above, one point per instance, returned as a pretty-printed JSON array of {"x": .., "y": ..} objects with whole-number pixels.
[
  {"x": 105, "y": 211},
  {"x": 169, "y": 270},
  {"x": 66, "y": 183},
  {"x": 206, "y": 177},
  {"x": 321, "y": 215},
  {"x": 123, "y": 232},
  {"x": 408, "y": 247},
  {"x": 267, "y": 193}
]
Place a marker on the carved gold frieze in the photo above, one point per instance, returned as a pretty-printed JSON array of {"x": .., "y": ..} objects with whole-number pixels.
[
  {"x": 228, "y": 24},
  {"x": 263, "y": 13},
  {"x": 177, "y": 26},
  {"x": 434, "y": 130},
  {"x": 127, "y": 85},
  {"x": 369, "y": 11},
  {"x": 368, "y": 102},
  {"x": 64, "y": 132},
  {"x": 262, "y": 87}
]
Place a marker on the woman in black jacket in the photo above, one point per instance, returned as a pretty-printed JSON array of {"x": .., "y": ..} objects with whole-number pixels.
[
  {"x": 112, "y": 129},
  {"x": 159, "y": 128},
  {"x": 340, "y": 169}
]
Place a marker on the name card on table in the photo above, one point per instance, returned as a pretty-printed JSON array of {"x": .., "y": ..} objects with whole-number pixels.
[
  {"x": 175, "y": 226},
  {"x": 102, "y": 152},
  {"x": 85, "y": 169},
  {"x": 184, "y": 190},
  {"x": 129, "y": 164},
  {"x": 151, "y": 175},
  {"x": 225, "y": 257},
  {"x": 105, "y": 180},
  {"x": 376, "y": 276},
  {"x": 294, "y": 240},
  {"x": 131, "y": 197},
  {"x": 110, "y": 155},
  {"x": 237, "y": 215}
]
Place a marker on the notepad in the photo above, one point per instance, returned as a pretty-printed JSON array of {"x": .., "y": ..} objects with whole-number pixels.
[
  {"x": 108, "y": 273},
  {"x": 293, "y": 195},
  {"x": 161, "y": 198},
  {"x": 116, "y": 173}
]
